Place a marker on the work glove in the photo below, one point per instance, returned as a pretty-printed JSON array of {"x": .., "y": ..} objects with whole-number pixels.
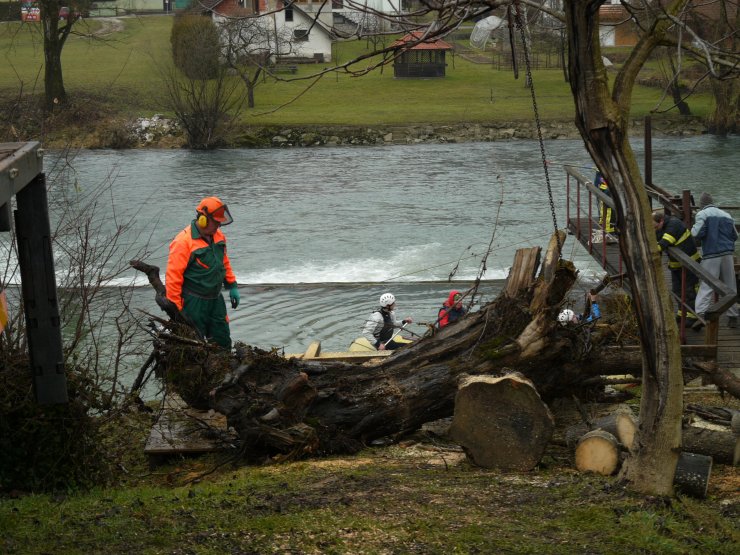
[{"x": 234, "y": 296}]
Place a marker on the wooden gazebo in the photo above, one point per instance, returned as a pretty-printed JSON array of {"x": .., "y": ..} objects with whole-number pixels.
[{"x": 426, "y": 58}]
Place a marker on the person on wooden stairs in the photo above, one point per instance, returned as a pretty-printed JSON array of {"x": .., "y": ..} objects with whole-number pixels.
[
  {"x": 671, "y": 232},
  {"x": 716, "y": 231}
]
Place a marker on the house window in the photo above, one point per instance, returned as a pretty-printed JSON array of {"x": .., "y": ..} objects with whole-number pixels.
[
  {"x": 337, "y": 4},
  {"x": 288, "y": 13},
  {"x": 300, "y": 35}
]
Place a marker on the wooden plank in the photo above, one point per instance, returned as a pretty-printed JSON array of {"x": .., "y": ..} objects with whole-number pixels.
[
  {"x": 181, "y": 429},
  {"x": 353, "y": 356},
  {"x": 19, "y": 165},
  {"x": 347, "y": 356},
  {"x": 314, "y": 349}
]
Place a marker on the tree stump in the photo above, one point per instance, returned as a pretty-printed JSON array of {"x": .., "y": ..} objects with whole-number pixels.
[
  {"x": 597, "y": 451},
  {"x": 501, "y": 422},
  {"x": 692, "y": 474}
]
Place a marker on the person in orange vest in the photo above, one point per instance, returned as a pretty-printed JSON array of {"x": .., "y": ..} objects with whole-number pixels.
[{"x": 198, "y": 267}]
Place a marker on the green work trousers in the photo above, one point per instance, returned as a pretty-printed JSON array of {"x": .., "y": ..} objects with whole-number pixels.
[{"x": 209, "y": 316}]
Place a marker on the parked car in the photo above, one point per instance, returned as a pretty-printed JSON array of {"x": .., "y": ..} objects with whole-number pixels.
[{"x": 64, "y": 13}]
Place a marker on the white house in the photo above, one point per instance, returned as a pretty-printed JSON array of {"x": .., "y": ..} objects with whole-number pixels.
[{"x": 299, "y": 35}]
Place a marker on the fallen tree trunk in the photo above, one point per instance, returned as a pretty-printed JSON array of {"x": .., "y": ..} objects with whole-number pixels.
[{"x": 292, "y": 407}]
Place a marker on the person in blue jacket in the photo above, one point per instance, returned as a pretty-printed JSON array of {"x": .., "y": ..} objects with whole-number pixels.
[
  {"x": 568, "y": 316},
  {"x": 716, "y": 231}
]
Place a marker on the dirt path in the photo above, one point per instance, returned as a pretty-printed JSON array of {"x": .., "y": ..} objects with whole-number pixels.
[{"x": 108, "y": 26}]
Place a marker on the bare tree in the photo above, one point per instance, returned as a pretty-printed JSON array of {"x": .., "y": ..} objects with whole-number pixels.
[
  {"x": 92, "y": 244},
  {"x": 249, "y": 45},
  {"x": 56, "y": 31},
  {"x": 200, "y": 91}
]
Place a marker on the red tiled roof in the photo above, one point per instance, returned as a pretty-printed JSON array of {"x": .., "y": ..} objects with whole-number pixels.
[
  {"x": 612, "y": 13},
  {"x": 428, "y": 44}
]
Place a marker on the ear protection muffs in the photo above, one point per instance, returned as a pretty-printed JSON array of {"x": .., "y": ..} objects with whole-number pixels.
[{"x": 202, "y": 220}]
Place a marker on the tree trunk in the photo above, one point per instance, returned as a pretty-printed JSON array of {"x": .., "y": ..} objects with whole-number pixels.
[
  {"x": 602, "y": 117},
  {"x": 501, "y": 422},
  {"x": 621, "y": 424},
  {"x": 54, "y": 40},
  {"x": 723, "y": 120},
  {"x": 250, "y": 91}
]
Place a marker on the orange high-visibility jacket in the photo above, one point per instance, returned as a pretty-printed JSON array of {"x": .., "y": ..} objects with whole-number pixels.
[{"x": 196, "y": 266}]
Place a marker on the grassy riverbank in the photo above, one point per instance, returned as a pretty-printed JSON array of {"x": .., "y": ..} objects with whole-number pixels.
[
  {"x": 113, "y": 75},
  {"x": 419, "y": 496}
]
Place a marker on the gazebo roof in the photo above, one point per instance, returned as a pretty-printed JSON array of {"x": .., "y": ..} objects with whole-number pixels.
[{"x": 426, "y": 44}]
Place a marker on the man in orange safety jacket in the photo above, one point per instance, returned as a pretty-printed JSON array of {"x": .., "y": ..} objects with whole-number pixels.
[{"x": 198, "y": 267}]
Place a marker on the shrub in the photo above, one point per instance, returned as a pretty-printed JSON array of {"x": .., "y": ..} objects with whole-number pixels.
[
  {"x": 53, "y": 447},
  {"x": 195, "y": 46}
]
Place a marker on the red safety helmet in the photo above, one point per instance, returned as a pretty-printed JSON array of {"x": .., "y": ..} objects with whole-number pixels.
[{"x": 213, "y": 208}]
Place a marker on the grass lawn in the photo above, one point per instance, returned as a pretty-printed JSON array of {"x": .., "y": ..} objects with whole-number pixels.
[
  {"x": 416, "y": 497},
  {"x": 121, "y": 68}
]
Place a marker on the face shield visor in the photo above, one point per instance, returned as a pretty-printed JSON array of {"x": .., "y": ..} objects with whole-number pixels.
[{"x": 220, "y": 215}]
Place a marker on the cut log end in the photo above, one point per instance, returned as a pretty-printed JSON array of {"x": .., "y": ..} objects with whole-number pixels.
[
  {"x": 501, "y": 422},
  {"x": 598, "y": 451}
]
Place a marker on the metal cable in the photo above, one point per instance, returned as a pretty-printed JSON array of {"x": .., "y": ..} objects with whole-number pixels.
[{"x": 520, "y": 26}]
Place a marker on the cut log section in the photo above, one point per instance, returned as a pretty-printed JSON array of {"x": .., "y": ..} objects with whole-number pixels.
[
  {"x": 501, "y": 422},
  {"x": 692, "y": 474},
  {"x": 716, "y": 443},
  {"x": 598, "y": 451},
  {"x": 621, "y": 424}
]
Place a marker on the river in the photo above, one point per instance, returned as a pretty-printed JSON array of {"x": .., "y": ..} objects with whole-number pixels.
[{"x": 319, "y": 234}]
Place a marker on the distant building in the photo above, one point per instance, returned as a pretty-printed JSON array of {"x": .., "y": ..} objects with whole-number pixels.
[
  {"x": 616, "y": 27},
  {"x": 424, "y": 59},
  {"x": 309, "y": 39}
]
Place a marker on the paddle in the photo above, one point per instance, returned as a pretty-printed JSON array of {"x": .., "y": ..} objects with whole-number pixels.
[{"x": 395, "y": 334}]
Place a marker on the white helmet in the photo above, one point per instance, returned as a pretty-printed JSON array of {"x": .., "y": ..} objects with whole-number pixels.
[
  {"x": 387, "y": 299},
  {"x": 566, "y": 317}
]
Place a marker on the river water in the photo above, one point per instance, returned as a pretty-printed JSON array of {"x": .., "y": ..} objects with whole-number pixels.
[{"x": 319, "y": 234}]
